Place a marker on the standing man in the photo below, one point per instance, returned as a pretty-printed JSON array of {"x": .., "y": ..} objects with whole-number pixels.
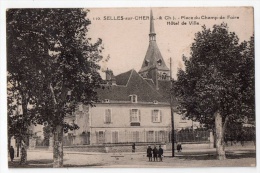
[
  {"x": 160, "y": 153},
  {"x": 155, "y": 152},
  {"x": 179, "y": 148},
  {"x": 133, "y": 148},
  {"x": 11, "y": 152},
  {"x": 149, "y": 153}
]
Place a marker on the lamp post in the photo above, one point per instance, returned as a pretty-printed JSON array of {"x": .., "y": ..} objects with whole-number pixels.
[{"x": 172, "y": 115}]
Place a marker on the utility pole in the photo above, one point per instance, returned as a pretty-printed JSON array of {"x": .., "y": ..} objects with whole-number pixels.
[{"x": 171, "y": 105}]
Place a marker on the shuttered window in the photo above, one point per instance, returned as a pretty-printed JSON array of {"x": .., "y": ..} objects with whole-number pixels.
[
  {"x": 135, "y": 136},
  {"x": 135, "y": 115},
  {"x": 108, "y": 116},
  {"x": 161, "y": 136},
  {"x": 115, "y": 137},
  {"x": 156, "y": 136},
  {"x": 156, "y": 116},
  {"x": 100, "y": 136},
  {"x": 150, "y": 136}
]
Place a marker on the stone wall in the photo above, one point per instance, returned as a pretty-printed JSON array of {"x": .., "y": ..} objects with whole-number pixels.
[
  {"x": 85, "y": 148},
  {"x": 190, "y": 146},
  {"x": 111, "y": 148}
]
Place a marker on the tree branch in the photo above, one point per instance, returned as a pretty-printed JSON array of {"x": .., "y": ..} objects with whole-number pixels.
[
  {"x": 225, "y": 125},
  {"x": 53, "y": 95}
]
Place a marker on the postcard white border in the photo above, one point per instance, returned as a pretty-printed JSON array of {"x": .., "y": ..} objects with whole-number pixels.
[{"x": 4, "y": 4}]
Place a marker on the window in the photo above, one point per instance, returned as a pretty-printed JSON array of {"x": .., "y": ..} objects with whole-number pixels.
[
  {"x": 115, "y": 137},
  {"x": 161, "y": 136},
  {"x": 146, "y": 62},
  {"x": 159, "y": 62},
  {"x": 135, "y": 115},
  {"x": 164, "y": 76},
  {"x": 150, "y": 136},
  {"x": 108, "y": 116},
  {"x": 100, "y": 136},
  {"x": 135, "y": 136},
  {"x": 106, "y": 101},
  {"x": 155, "y": 102},
  {"x": 156, "y": 116},
  {"x": 133, "y": 98}
]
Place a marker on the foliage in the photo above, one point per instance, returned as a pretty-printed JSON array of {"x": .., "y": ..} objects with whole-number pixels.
[
  {"x": 219, "y": 76},
  {"x": 237, "y": 132},
  {"x": 51, "y": 63}
]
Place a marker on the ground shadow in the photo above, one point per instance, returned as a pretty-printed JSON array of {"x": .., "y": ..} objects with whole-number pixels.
[
  {"x": 240, "y": 155},
  {"x": 213, "y": 156},
  {"x": 81, "y": 166},
  {"x": 44, "y": 163}
]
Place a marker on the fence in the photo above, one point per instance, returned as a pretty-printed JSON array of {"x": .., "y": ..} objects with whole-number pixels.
[
  {"x": 192, "y": 136},
  {"x": 126, "y": 137}
]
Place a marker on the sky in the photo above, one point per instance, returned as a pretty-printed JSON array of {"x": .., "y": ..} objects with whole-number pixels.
[{"x": 126, "y": 41}]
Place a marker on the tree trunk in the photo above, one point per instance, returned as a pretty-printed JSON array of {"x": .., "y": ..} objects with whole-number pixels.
[
  {"x": 23, "y": 154},
  {"x": 215, "y": 138},
  {"x": 9, "y": 142},
  {"x": 18, "y": 146},
  {"x": 58, "y": 147},
  {"x": 221, "y": 155}
]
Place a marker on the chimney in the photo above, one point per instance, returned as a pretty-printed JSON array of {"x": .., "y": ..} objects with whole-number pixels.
[
  {"x": 108, "y": 74},
  {"x": 110, "y": 78}
]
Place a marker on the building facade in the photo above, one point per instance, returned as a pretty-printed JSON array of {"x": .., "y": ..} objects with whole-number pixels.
[{"x": 133, "y": 107}]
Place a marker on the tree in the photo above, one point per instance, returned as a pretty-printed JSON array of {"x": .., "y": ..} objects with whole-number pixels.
[
  {"x": 213, "y": 87},
  {"x": 47, "y": 134},
  {"x": 51, "y": 55},
  {"x": 18, "y": 113}
]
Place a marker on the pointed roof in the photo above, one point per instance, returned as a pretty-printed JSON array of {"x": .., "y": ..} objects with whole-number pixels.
[
  {"x": 151, "y": 23},
  {"x": 153, "y": 57}
]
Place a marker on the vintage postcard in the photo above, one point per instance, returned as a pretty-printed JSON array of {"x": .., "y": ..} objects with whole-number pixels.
[{"x": 131, "y": 87}]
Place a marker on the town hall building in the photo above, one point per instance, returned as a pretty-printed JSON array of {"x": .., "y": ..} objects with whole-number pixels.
[{"x": 133, "y": 107}]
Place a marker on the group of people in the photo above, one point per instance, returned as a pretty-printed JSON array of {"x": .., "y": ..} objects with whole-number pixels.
[{"x": 155, "y": 153}]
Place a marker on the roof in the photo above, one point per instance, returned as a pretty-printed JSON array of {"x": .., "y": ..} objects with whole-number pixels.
[
  {"x": 153, "y": 54},
  {"x": 123, "y": 78},
  {"x": 151, "y": 23},
  {"x": 130, "y": 83},
  {"x": 165, "y": 89}
]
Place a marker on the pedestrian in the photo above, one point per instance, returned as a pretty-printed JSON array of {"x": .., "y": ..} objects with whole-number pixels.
[
  {"x": 23, "y": 155},
  {"x": 155, "y": 153},
  {"x": 133, "y": 148},
  {"x": 160, "y": 153},
  {"x": 149, "y": 153},
  {"x": 179, "y": 148},
  {"x": 11, "y": 152}
]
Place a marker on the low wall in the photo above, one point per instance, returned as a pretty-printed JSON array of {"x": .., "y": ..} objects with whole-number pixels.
[
  {"x": 85, "y": 148},
  {"x": 191, "y": 146},
  {"x": 110, "y": 148},
  {"x": 117, "y": 148}
]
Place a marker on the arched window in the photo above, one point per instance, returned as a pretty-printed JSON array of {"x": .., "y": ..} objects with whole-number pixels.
[
  {"x": 164, "y": 76},
  {"x": 146, "y": 62},
  {"x": 159, "y": 62}
]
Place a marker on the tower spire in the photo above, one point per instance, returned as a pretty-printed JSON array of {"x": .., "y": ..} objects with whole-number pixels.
[
  {"x": 152, "y": 32},
  {"x": 153, "y": 66}
]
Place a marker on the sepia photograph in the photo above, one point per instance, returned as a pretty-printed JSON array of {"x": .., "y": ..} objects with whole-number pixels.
[{"x": 148, "y": 87}]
